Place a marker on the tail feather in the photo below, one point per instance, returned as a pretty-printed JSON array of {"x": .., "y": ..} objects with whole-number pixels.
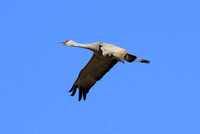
[{"x": 130, "y": 57}]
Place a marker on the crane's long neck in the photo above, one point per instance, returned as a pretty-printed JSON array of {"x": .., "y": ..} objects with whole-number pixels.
[{"x": 74, "y": 44}]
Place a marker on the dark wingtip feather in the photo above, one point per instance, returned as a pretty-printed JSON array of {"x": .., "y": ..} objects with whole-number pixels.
[
  {"x": 80, "y": 95},
  {"x": 73, "y": 90},
  {"x": 84, "y": 95},
  {"x": 82, "y": 92}
]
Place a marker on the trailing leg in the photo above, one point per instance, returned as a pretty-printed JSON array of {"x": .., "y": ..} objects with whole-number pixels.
[{"x": 142, "y": 60}]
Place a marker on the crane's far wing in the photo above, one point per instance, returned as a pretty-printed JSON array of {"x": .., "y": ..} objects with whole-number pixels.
[{"x": 94, "y": 70}]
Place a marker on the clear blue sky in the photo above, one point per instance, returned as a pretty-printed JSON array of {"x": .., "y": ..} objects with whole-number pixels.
[{"x": 158, "y": 98}]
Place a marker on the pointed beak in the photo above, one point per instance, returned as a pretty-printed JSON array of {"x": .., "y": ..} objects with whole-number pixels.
[{"x": 62, "y": 43}]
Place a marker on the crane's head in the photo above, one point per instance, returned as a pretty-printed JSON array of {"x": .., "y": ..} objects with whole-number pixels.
[
  {"x": 65, "y": 43},
  {"x": 68, "y": 43}
]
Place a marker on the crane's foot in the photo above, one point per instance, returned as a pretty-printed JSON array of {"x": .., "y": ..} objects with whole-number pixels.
[{"x": 142, "y": 61}]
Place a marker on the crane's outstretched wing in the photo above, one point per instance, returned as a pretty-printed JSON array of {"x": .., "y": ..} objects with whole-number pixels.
[{"x": 95, "y": 69}]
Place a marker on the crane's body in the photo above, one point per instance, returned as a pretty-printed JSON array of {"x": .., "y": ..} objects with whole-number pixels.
[{"x": 104, "y": 58}]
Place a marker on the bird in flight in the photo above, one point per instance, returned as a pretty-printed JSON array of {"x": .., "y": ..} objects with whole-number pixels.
[{"x": 104, "y": 58}]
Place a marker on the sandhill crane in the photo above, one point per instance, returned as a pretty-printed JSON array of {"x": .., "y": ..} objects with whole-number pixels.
[{"x": 104, "y": 58}]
